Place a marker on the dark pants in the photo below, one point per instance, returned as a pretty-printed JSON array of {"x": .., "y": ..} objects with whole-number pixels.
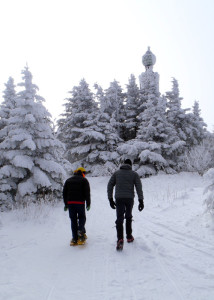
[
  {"x": 124, "y": 208},
  {"x": 78, "y": 218}
]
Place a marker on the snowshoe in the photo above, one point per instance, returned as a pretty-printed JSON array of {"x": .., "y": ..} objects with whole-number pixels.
[
  {"x": 73, "y": 242},
  {"x": 130, "y": 239},
  {"x": 119, "y": 245},
  {"x": 81, "y": 238},
  {"x": 80, "y": 241}
]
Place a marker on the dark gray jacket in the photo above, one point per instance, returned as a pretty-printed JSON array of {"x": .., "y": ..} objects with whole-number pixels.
[{"x": 125, "y": 180}]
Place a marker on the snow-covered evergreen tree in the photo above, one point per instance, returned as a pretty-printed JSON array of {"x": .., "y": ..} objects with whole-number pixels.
[
  {"x": 78, "y": 128},
  {"x": 131, "y": 109},
  {"x": 114, "y": 98},
  {"x": 159, "y": 141},
  {"x": 108, "y": 158},
  {"x": 161, "y": 144},
  {"x": 100, "y": 98},
  {"x": 31, "y": 169},
  {"x": 194, "y": 130},
  {"x": 198, "y": 123},
  {"x": 156, "y": 145},
  {"x": 190, "y": 126},
  {"x": 175, "y": 114},
  {"x": 152, "y": 130},
  {"x": 9, "y": 95}
]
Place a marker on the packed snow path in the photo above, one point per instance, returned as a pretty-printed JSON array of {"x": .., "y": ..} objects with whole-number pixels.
[{"x": 172, "y": 257}]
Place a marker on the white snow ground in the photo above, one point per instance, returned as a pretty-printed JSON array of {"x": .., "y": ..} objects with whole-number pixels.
[{"x": 171, "y": 258}]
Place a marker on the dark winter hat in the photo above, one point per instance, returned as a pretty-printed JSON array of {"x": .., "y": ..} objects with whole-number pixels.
[{"x": 128, "y": 162}]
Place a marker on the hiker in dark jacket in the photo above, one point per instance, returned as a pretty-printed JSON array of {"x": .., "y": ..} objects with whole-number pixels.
[
  {"x": 76, "y": 192},
  {"x": 124, "y": 180}
]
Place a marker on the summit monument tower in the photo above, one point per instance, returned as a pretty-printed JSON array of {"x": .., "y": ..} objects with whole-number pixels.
[{"x": 149, "y": 79}]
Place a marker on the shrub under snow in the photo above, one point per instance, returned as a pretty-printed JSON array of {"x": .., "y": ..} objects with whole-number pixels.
[
  {"x": 209, "y": 191},
  {"x": 198, "y": 159}
]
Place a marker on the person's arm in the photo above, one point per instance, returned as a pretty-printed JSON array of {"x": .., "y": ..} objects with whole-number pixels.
[
  {"x": 139, "y": 190},
  {"x": 65, "y": 193},
  {"x": 110, "y": 186},
  {"x": 87, "y": 192},
  {"x": 138, "y": 186}
]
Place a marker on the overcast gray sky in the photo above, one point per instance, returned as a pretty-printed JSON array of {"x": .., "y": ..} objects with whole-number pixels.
[{"x": 102, "y": 40}]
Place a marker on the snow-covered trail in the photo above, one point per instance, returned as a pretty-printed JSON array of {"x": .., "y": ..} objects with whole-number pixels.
[{"x": 172, "y": 257}]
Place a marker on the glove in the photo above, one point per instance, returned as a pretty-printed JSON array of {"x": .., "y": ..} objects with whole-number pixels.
[
  {"x": 88, "y": 207},
  {"x": 65, "y": 208},
  {"x": 112, "y": 203},
  {"x": 141, "y": 205}
]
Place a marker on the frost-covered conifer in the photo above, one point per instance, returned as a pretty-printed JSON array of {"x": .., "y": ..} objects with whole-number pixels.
[
  {"x": 108, "y": 158},
  {"x": 160, "y": 145},
  {"x": 101, "y": 99},
  {"x": 194, "y": 127},
  {"x": 114, "y": 98},
  {"x": 193, "y": 130},
  {"x": 131, "y": 109},
  {"x": 9, "y": 95},
  {"x": 198, "y": 123},
  {"x": 78, "y": 128},
  {"x": 156, "y": 145},
  {"x": 175, "y": 114},
  {"x": 188, "y": 125},
  {"x": 31, "y": 168}
]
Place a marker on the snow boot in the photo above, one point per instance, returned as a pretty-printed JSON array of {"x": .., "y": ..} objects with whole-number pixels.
[
  {"x": 73, "y": 242},
  {"x": 130, "y": 239},
  {"x": 81, "y": 238},
  {"x": 119, "y": 245}
]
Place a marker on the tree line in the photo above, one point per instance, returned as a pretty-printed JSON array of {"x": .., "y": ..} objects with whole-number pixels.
[
  {"x": 100, "y": 129},
  {"x": 97, "y": 130}
]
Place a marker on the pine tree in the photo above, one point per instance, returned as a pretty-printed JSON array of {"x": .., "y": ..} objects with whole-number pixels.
[
  {"x": 160, "y": 143},
  {"x": 114, "y": 98},
  {"x": 199, "y": 124},
  {"x": 100, "y": 98},
  {"x": 31, "y": 169},
  {"x": 132, "y": 109},
  {"x": 9, "y": 95},
  {"x": 108, "y": 158},
  {"x": 175, "y": 114},
  {"x": 188, "y": 125},
  {"x": 193, "y": 135},
  {"x": 78, "y": 128}
]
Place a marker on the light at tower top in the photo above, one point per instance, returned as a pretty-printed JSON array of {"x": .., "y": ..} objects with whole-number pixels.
[{"x": 148, "y": 59}]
